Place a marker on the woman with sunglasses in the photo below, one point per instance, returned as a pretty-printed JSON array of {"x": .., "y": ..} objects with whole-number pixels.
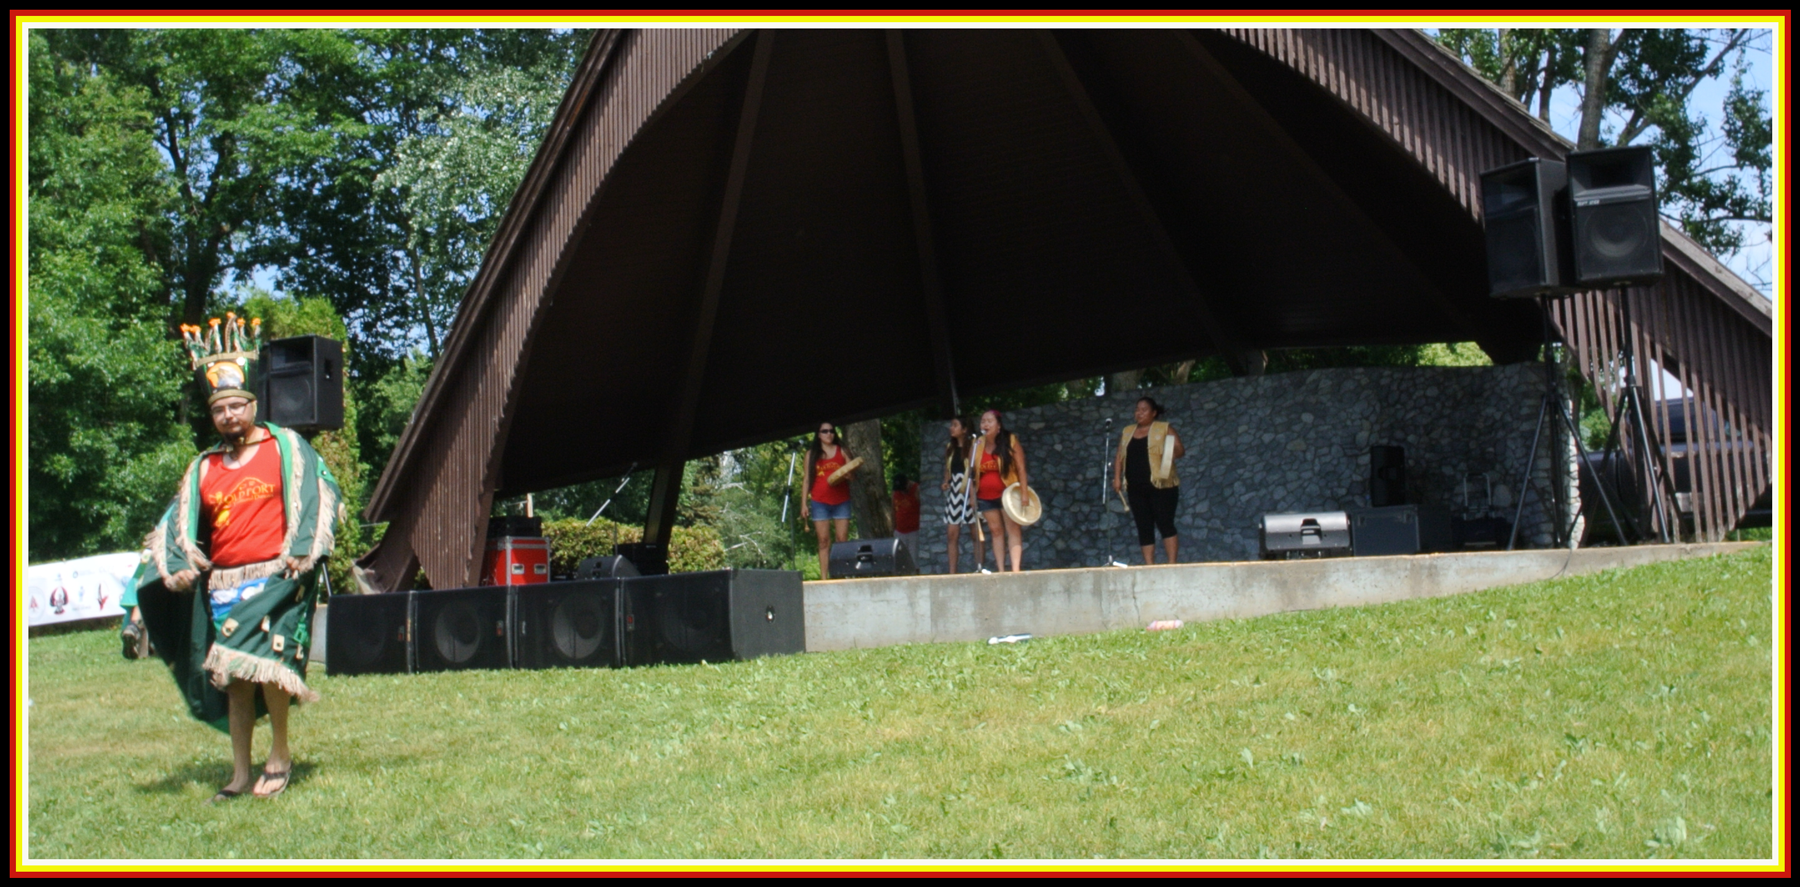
[{"x": 827, "y": 503}]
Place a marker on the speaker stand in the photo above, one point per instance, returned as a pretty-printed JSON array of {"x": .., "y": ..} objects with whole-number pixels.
[
  {"x": 1559, "y": 413},
  {"x": 1628, "y": 424}
]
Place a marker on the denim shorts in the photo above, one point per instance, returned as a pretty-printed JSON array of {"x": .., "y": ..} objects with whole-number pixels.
[
  {"x": 821, "y": 511},
  {"x": 986, "y": 505}
]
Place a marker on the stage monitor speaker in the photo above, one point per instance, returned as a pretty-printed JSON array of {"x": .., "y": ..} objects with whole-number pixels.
[
  {"x": 568, "y": 624},
  {"x": 612, "y": 567},
  {"x": 713, "y": 616},
  {"x": 871, "y": 557},
  {"x": 460, "y": 628},
  {"x": 302, "y": 383},
  {"x": 368, "y": 634},
  {"x": 1387, "y": 476},
  {"x": 1523, "y": 210},
  {"x": 650, "y": 558},
  {"x": 1615, "y": 234}
]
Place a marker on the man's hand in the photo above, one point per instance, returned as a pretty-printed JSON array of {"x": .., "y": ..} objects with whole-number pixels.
[
  {"x": 184, "y": 580},
  {"x": 293, "y": 567}
]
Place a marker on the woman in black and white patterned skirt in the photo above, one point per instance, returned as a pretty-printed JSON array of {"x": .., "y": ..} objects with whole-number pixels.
[{"x": 957, "y": 511}]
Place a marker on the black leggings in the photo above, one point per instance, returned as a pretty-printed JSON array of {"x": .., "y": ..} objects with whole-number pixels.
[{"x": 1154, "y": 510}]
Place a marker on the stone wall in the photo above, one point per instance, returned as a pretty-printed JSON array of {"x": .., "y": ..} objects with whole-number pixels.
[{"x": 1282, "y": 443}]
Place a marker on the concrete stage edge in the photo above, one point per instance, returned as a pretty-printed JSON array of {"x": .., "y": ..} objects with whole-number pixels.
[{"x": 858, "y": 613}]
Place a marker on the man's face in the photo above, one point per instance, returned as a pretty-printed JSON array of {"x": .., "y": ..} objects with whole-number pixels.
[{"x": 233, "y": 416}]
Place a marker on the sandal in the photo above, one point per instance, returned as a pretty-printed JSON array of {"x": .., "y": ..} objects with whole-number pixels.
[
  {"x": 283, "y": 776},
  {"x": 225, "y": 794},
  {"x": 130, "y": 637}
]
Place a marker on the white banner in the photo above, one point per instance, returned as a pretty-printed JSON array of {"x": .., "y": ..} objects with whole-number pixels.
[{"x": 87, "y": 588}]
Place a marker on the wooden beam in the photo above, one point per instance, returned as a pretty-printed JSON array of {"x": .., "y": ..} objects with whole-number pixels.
[
  {"x": 1228, "y": 345},
  {"x": 931, "y": 290},
  {"x": 665, "y": 491}
]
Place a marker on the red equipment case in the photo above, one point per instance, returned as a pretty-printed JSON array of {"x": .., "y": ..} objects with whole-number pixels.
[{"x": 516, "y": 560}]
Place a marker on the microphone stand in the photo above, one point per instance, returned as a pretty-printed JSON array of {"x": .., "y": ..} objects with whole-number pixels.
[
  {"x": 1106, "y": 463},
  {"x": 609, "y": 499}
]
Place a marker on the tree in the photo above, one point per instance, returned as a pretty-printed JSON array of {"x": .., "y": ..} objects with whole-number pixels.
[
  {"x": 455, "y": 175},
  {"x": 106, "y": 446}
]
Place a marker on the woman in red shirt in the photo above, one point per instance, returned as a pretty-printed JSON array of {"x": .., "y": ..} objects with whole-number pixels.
[
  {"x": 999, "y": 462},
  {"x": 828, "y": 503}
]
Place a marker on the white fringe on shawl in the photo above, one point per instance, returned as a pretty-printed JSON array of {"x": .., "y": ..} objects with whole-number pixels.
[
  {"x": 232, "y": 577},
  {"x": 223, "y": 666}
]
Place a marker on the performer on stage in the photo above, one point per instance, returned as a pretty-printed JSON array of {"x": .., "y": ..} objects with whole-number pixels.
[
  {"x": 999, "y": 462},
  {"x": 828, "y": 502},
  {"x": 958, "y": 512},
  {"x": 234, "y": 564},
  {"x": 1146, "y": 462}
]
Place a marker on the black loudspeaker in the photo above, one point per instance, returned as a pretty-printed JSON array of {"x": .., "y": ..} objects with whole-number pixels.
[
  {"x": 614, "y": 567},
  {"x": 1612, "y": 206},
  {"x": 460, "y": 628},
  {"x": 1523, "y": 210},
  {"x": 1387, "y": 476},
  {"x": 650, "y": 558},
  {"x": 303, "y": 383},
  {"x": 368, "y": 634},
  {"x": 567, "y": 624},
  {"x": 871, "y": 557},
  {"x": 713, "y": 616}
]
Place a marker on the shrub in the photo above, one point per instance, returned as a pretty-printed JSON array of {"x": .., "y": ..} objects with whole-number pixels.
[{"x": 573, "y": 540}]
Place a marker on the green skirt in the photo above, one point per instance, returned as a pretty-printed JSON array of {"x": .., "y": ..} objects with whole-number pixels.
[{"x": 262, "y": 637}]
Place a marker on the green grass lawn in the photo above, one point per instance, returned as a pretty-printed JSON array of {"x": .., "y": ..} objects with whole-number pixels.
[{"x": 1618, "y": 715}]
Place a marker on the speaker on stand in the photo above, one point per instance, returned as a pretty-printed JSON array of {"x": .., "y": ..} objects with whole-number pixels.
[
  {"x": 302, "y": 385},
  {"x": 1532, "y": 252},
  {"x": 1612, "y": 198}
]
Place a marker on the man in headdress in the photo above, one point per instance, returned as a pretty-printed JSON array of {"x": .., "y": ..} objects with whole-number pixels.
[{"x": 231, "y": 571}]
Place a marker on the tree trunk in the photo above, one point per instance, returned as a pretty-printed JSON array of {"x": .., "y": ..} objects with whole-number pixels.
[
  {"x": 1124, "y": 381},
  {"x": 868, "y": 487},
  {"x": 1597, "y": 62},
  {"x": 1509, "y": 71}
]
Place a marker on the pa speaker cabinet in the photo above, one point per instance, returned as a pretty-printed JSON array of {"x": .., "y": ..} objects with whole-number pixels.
[
  {"x": 567, "y": 624},
  {"x": 303, "y": 383},
  {"x": 1524, "y": 212},
  {"x": 460, "y": 628},
  {"x": 611, "y": 567},
  {"x": 1385, "y": 531},
  {"x": 715, "y": 616},
  {"x": 368, "y": 634},
  {"x": 1612, "y": 207},
  {"x": 871, "y": 557},
  {"x": 649, "y": 558},
  {"x": 1387, "y": 476}
]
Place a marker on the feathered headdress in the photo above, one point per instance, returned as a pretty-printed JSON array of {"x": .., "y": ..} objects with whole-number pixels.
[{"x": 223, "y": 354}]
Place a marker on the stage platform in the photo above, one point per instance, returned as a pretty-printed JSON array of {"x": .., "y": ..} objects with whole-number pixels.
[{"x": 853, "y": 613}]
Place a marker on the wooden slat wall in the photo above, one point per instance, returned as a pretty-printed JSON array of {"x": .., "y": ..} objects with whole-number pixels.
[
  {"x": 1456, "y": 126},
  {"x": 450, "y": 487}
]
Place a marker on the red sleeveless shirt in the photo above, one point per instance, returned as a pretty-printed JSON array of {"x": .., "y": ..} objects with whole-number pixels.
[{"x": 243, "y": 504}]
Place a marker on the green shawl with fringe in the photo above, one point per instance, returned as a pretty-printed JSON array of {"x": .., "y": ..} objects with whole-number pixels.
[{"x": 264, "y": 638}]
